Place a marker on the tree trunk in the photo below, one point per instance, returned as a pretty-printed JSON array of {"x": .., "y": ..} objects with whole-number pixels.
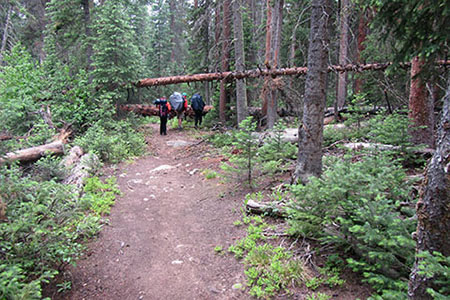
[
  {"x": 265, "y": 89},
  {"x": 277, "y": 21},
  {"x": 241, "y": 94},
  {"x": 34, "y": 153},
  {"x": 309, "y": 162},
  {"x": 362, "y": 34},
  {"x": 5, "y": 35},
  {"x": 432, "y": 209},
  {"x": 226, "y": 34},
  {"x": 263, "y": 72},
  {"x": 421, "y": 107},
  {"x": 206, "y": 57},
  {"x": 343, "y": 53}
]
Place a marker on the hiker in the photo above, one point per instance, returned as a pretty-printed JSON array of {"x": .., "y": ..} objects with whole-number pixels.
[
  {"x": 197, "y": 105},
  {"x": 179, "y": 104},
  {"x": 164, "y": 109}
]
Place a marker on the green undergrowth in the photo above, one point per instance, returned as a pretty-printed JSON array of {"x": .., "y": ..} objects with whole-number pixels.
[
  {"x": 363, "y": 209},
  {"x": 269, "y": 269},
  {"x": 44, "y": 228}
]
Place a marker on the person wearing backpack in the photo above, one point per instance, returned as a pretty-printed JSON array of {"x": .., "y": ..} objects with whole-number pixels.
[
  {"x": 179, "y": 104},
  {"x": 164, "y": 110},
  {"x": 197, "y": 105}
]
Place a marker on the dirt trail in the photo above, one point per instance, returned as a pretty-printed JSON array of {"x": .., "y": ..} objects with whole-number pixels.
[{"x": 160, "y": 240}]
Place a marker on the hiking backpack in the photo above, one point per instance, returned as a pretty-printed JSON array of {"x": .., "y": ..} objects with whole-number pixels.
[
  {"x": 163, "y": 109},
  {"x": 197, "y": 102},
  {"x": 177, "y": 102}
]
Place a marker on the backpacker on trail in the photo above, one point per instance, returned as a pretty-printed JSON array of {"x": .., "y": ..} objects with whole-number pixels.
[
  {"x": 197, "y": 103},
  {"x": 177, "y": 102}
]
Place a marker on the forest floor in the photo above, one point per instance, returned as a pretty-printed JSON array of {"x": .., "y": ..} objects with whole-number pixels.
[{"x": 162, "y": 231}]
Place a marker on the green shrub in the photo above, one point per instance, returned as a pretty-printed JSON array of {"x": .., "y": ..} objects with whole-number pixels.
[
  {"x": 99, "y": 196},
  {"x": 436, "y": 266},
  {"x": 44, "y": 228},
  {"x": 112, "y": 141},
  {"x": 242, "y": 163},
  {"x": 356, "y": 206},
  {"x": 275, "y": 154},
  {"x": 21, "y": 86}
]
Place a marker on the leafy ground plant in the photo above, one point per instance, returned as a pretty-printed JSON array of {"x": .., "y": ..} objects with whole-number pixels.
[
  {"x": 45, "y": 225},
  {"x": 269, "y": 269}
]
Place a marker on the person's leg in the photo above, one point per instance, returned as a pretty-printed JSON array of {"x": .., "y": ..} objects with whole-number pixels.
[
  {"x": 164, "y": 125},
  {"x": 161, "y": 125},
  {"x": 200, "y": 118},
  {"x": 196, "y": 118}
]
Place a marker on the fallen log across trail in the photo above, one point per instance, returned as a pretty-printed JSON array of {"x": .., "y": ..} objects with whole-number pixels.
[
  {"x": 147, "y": 82},
  {"x": 152, "y": 110}
]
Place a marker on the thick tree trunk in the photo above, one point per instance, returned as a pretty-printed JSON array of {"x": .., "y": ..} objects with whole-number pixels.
[
  {"x": 362, "y": 34},
  {"x": 433, "y": 213},
  {"x": 34, "y": 153},
  {"x": 421, "y": 107},
  {"x": 309, "y": 162},
  {"x": 206, "y": 57},
  {"x": 265, "y": 90},
  {"x": 5, "y": 34},
  {"x": 343, "y": 53},
  {"x": 263, "y": 72},
  {"x": 241, "y": 93},
  {"x": 277, "y": 21},
  {"x": 226, "y": 34}
]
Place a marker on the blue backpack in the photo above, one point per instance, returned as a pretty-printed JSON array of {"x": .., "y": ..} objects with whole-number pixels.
[{"x": 197, "y": 102}]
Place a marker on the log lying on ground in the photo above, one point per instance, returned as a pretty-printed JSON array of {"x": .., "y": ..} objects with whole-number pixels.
[
  {"x": 34, "y": 153},
  {"x": 152, "y": 110},
  {"x": 80, "y": 167},
  {"x": 264, "y": 72},
  {"x": 259, "y": 208},
  {"x": 384, "y": 147}
]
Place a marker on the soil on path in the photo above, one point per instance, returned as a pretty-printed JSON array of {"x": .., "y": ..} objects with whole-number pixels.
[{"x": 160, "y": 239}]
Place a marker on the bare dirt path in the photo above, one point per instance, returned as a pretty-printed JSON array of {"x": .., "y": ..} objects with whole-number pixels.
[{"x": 160, "y": 240}]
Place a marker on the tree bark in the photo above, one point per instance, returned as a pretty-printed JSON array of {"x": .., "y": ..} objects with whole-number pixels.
[
  {"x": 309, "y": 161},
  {"x": 433, "y": 214},
  {"x": 5, "y": 35},
  {"x": 277, "y": 21},
  {"x": 362, "y": 35},
  {"x": 241, "y": 93},
  {"x": 343, "y": 53},
  {"x": 226, "y": 34},
  {"x": 421, "y": 107},
  {"x": 265, "y": 89},
  {"x": 34, "y": 153},
  {"x": 264, "y": 72}
]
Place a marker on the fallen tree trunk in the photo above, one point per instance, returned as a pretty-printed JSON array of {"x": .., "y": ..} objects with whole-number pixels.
[
  {"x": 259, "y": 208},
  {"x": 152, "y": 110},
  {"x": 264, "y": 72},
  {"x": 34, "y": 153}
]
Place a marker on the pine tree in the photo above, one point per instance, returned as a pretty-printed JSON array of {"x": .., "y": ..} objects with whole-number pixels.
[{"x": 116, "y": 56}]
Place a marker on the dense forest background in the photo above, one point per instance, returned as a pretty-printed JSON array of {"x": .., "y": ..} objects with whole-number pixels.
[{"x": 67, "y": 64}]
